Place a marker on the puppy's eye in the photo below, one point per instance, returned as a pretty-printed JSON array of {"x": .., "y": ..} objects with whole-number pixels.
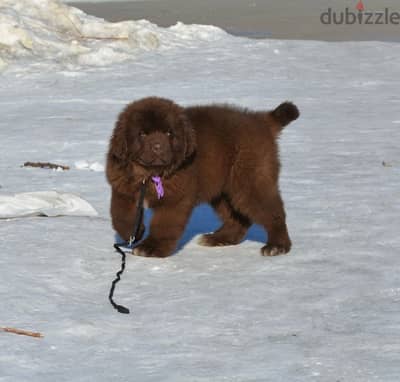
[
  {"x": 169, "y": 133},
  {"x": 142, "y": 134}
]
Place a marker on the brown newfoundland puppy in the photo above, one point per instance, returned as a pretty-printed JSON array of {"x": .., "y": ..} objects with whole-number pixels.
[{"x": 219, "y": 154}]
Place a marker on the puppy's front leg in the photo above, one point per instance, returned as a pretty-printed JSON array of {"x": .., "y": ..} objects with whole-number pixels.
[
  {"x": 166, "y": 228},
  {"x": 123, "y": 213}
]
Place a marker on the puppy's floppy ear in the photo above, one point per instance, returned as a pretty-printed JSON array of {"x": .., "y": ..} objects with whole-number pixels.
[
  {"x": 189, "y": 135},
  {"x": 118, "y": 143}
]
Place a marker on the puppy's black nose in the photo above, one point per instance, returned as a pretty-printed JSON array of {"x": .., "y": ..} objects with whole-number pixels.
[{"x": 157, "y": 148}]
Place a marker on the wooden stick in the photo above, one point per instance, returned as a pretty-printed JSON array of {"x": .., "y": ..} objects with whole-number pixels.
[
  {"x": 22, "y": 332},
  {"x": 47, "y": 165}
]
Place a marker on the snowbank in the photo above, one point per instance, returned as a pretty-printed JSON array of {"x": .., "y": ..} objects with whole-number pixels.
[
  {"x": 44, "y": 203},
  {"x": 50, "y": 31}
]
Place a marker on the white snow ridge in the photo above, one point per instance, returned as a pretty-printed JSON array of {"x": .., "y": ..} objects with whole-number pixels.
[
  {"x": 48, "y": 30},
  {"x": 44, "y": 203}
]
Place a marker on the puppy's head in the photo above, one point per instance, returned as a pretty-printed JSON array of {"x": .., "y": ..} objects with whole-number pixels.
[{"x": 155, "y": 134}]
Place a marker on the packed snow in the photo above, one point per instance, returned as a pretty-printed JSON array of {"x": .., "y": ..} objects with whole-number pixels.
[
  {"x": 328, "y": 311},
  {"x": 85, "y": 165}
]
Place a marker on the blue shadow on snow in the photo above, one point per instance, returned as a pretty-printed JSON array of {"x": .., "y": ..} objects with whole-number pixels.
[{"x": 204, "y": 220}]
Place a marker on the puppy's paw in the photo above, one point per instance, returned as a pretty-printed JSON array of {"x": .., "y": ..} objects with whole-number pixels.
[
  {"x": 207, "y": 240},
  {"x": 273, "y": 250},
  {"x": 143, "y": 251},
  {"x": 215, "y": 240},
  {"x": 149, "y": 248}
]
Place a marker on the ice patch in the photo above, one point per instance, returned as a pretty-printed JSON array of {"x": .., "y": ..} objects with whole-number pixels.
[
  {"x": 44, "y": 203},
  {"x": 97, "y": 167},
  {"x": 194, "y": 31}
]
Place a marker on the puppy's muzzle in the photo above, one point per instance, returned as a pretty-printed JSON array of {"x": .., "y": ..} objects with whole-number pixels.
[{"x": 157, "y": 148}]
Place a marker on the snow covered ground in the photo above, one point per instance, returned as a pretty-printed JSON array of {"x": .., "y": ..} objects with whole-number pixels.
[{"x": 328, "y": 311}]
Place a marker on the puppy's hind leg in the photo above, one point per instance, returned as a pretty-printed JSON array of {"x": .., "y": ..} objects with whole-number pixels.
[
  {"x": 263, "y": 205},
  {"x": 271, "y": 214},
  {"x": 234, "y": 225}
]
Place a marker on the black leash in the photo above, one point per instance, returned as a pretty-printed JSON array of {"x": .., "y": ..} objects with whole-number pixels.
[
  {"x": 136, "y": 226},
  {"x": 120, "y": 308}
]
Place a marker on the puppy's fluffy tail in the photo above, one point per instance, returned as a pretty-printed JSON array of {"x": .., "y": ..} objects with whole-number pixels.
[{"x": 285, "y": 113}]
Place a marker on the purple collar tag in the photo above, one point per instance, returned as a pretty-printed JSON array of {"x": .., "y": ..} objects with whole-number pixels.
[{"x": 159, "y": 186}]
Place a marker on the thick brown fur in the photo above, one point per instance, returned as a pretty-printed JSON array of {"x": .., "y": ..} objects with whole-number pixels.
[{"x": 219, "y": 154}]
